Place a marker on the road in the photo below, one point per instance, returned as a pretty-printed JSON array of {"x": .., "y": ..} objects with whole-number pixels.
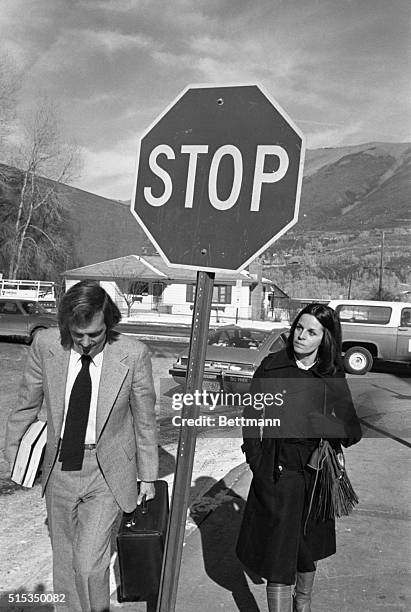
[
  {"x": 382, "y": 399},
  {"x": 382, "y": 396}
]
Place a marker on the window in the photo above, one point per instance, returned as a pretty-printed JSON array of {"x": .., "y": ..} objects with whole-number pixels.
[
  {"x": 406, "y": 317},
  {"x": 278, "y": 344},
  {"x": 221, "y": 294},
  {"x": 10, "y": 308},
  {"x": 29, "y": 307},
  {"x": 138, "y": 288},
  {"x": 237, "y": 337},
  {"x": 190, "y": 293},
  {"x": 377, "y": 315}
]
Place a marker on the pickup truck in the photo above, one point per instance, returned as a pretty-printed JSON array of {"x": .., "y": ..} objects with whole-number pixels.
[{"x": 373, "y": 330}]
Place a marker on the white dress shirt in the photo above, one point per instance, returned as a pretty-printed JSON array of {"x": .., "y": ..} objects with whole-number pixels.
[{"x": 95, "y": 374}]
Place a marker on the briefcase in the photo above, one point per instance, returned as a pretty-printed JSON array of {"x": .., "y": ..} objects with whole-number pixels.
[{"x": 140, "y": 546}]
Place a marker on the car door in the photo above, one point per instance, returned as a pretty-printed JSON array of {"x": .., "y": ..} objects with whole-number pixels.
[
  {"x": 13, "y": 319},
  {"x": 404, "y": 336}
]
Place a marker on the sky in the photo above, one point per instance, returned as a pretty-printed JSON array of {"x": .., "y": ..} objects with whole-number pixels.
[{"x": 340, "y": 68}]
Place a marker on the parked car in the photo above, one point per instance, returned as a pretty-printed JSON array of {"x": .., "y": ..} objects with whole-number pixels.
[
  {"x": 23, "y": 318},
  {"x": 373, "y": 330},
  {"x": 233, "y": 354}
]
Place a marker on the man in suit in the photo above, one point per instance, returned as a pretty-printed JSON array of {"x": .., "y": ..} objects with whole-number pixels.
[{"x": 97, "y": 389}]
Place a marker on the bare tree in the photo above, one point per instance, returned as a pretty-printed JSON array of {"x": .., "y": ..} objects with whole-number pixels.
[
  {"x": 130, "y": 290},
  {"x": 35, "y": 225}
]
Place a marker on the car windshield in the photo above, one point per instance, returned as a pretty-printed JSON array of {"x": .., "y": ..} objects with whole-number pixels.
[{"x": 237, "y": 337}]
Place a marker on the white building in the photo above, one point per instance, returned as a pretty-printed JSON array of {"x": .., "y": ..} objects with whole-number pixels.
[{"x": 147, "y": 284}]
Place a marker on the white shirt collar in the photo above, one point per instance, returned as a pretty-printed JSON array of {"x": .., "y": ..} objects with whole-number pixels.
[
  {"x": 302, "y": 366},
  {"x": 97, "y": 360}
]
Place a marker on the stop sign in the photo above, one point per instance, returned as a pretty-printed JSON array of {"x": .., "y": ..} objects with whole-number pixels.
[{"x": 218, "y": 177}]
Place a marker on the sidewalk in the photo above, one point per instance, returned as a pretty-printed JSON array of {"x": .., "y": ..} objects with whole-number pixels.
[
  {"x": 370, "y": 571},
  {"x": 187, "y": 319}
]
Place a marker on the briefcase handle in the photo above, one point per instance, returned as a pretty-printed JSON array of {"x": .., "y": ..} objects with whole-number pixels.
[
  {"x": 143, "y": 508},
  {"x": 143, "y": 505}
]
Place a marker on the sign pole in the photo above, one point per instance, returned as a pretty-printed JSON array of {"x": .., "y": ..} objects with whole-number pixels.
[{"x": 186, "y": 446}]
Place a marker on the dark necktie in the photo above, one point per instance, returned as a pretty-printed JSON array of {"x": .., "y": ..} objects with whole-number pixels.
[{"x": 72, "y": 446}]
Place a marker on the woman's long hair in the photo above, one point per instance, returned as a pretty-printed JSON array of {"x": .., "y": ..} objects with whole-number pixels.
[
  {"x": 329, "y": 351},
  {"x": 80, "y": 304}
]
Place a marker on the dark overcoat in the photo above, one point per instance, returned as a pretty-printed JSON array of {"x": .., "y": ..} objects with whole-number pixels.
[{"x": 278, "y": 535}]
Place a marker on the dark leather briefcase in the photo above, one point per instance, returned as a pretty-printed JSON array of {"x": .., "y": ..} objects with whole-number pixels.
[{"x": 140, "y": 545}]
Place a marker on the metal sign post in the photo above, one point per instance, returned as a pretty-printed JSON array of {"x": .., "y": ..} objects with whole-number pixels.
[
  {"x": 218, "y": 180},
  {"x": 186, "y": 446}
]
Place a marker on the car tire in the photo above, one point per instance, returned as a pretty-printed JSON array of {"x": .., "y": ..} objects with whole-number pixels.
[{"x": 358, "y": 360}]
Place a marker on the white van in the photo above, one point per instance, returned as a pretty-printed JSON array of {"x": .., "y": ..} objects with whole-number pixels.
[{"x": 373, "y": 330}]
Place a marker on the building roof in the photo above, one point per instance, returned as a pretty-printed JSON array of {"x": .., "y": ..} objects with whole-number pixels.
[{"x": 153, "y": 268}]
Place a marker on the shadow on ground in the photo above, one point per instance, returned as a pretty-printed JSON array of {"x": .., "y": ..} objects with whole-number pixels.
[{"x": 223, "y": 509}]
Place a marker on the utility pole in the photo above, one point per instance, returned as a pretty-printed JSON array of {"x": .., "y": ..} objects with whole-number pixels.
[
  {"x": 257, "y": 295},
  {"x": 349, "y": 287},
  {"x": 381, "y": 265}
]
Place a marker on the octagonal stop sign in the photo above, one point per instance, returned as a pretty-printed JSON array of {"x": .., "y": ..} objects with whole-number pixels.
[{"x": 218, "y": 177}]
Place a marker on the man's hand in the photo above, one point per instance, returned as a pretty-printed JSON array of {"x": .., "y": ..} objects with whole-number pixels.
[{"x": 147, "y": 489}]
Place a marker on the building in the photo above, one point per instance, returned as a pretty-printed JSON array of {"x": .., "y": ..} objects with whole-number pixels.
[{"x": 146, "y": 284}]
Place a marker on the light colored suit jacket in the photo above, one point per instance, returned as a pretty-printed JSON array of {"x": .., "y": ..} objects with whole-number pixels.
[{"x": 126, "y": 430}]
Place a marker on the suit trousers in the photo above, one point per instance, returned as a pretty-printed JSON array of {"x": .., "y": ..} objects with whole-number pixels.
[{"x": 81, "y": 513}]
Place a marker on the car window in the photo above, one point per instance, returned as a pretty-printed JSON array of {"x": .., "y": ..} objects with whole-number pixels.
[
  {"x": 237, "y": 337},
  {"x": 29, "y": 307},
  {"x": 406, "y": 317},
  {"x": 9, "y": 308},
  {"x": 377, "y": 315},
  {"x": 278, "y": 344}
]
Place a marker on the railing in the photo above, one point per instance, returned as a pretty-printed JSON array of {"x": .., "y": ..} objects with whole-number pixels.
[
  {"x": 220, "y": 313},
  {"x": 32, "y": 289}
]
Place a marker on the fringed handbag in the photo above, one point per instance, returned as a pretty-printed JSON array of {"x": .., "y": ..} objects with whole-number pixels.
[{"x": 333, "y": 495}]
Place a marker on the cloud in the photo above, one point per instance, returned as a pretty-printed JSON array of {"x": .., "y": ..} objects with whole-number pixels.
[
  {"x": 110, "y": 172},
  {"x": 339, "y": 68},
  {"x": 112, "y": 41},
  {"x": 338, "y": 135}
]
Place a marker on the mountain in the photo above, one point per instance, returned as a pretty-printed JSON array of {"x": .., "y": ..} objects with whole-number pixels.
[
  {"x": 364, "y": 186},
  {"x": 349, "y": 196},
  {"x": 99, "y": 228},
  {"x": 353, "y": 234},
  {"x": 360, "y": 187}
]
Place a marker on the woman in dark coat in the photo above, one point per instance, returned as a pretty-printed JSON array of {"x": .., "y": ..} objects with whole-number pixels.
[{"x": 304, "y": 387}]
